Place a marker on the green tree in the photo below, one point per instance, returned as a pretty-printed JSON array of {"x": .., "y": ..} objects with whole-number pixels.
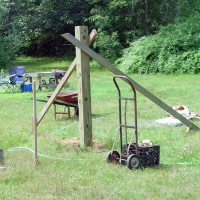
[
  {"x": 8, "y": 41},
  {"x": 121, "y": 22},
  {"x": 40, "y": 23}
]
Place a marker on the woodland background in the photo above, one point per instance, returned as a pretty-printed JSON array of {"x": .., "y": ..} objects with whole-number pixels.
[{"x": 140, "y": 36}]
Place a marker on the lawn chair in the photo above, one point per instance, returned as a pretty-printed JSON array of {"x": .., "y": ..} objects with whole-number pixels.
[
  {"x": 20, "y": 77},
  {"x": 7, "y": 82},
  {"x": 12, "y": 76},
  {"x": 4, "y": 83},
  {"x": 15, "y": 81}
]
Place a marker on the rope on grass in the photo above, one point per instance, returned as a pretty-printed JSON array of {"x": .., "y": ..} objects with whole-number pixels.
[
  {"x": 82, "y": 159},
  {"x": 42, "y": 155},
  {"x": 180, "y": 163}
]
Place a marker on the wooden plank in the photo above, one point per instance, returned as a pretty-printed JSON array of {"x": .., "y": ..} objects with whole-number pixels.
[
  {"x": 40, "y": 74},
  {"x": 92, "y": 36},
  {"x": 62, "y": 82},
  {"x": 137, "y": 86},
  {"x": 1, "y": 157},
  {"x": 84, "y": 96},
  {"x": 56, "y": 91}
]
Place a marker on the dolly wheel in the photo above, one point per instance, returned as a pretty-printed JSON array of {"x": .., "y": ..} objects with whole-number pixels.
[
  {"x": 113, "y": 157},
  {"x": 133, "y": 162}
]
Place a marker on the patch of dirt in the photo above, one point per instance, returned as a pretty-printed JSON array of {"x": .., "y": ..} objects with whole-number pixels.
[{"x": 74, "y": 143}]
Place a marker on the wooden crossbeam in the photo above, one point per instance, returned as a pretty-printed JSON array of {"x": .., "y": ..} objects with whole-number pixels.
[
  {"x": 137, "y": 86},
  {"x": 62, "y": 82}
]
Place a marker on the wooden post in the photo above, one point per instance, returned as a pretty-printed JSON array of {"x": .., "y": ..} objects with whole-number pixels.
[
  {"x": 62, "y": 82},
  {"x": 1, "y": 157},
  {"x": 84, "y": 96},
  {"x": 35, "y": 123}
]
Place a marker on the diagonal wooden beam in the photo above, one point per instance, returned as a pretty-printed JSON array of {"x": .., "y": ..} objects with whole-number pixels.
[
  {"x": 137, "y": 86},
  {"x": 62, "y": 82}
]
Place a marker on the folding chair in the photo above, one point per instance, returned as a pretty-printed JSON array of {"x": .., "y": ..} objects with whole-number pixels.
[
  {"x": 17, "y": 79},
  {"x": 6, "y": 82},
  {"x": 12, "y": 76}
]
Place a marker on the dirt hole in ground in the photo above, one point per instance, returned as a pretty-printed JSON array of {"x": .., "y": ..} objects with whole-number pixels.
[{"x": 74, "y": 143}]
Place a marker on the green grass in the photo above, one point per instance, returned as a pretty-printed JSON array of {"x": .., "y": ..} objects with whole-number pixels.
[
  {"x": 43, "y": 64},
  {"x": 82, "y": 173}
]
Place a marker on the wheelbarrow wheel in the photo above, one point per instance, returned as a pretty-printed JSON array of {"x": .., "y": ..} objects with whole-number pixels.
[
  {"x": 113, "y": 157},
  {"x": 133, "y": 162}
]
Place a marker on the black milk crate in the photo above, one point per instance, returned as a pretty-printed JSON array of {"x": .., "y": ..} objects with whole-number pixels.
[{"x": 149, "y": 156}]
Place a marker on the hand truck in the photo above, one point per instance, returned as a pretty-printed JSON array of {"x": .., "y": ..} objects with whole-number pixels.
[{"x": 133, "y": 154}]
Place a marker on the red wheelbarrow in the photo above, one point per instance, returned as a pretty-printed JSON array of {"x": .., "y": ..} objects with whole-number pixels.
[{"x": 70, "y": 99}]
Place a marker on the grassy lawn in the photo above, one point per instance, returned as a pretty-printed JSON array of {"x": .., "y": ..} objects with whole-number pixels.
[
  {"x": 70, "y": 172},
  {"x": 43, "y": 64}
]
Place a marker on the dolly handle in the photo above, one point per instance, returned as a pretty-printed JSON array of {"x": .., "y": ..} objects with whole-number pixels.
[{"x": 126, "y": 79}]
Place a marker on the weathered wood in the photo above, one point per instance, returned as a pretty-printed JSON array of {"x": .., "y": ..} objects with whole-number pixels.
[
  {"x": 92, "y": 36},
  {"x": 84, "y": 96},
  {"x": 137, "y": 86},
  {"x": 62, "y": 82},
  {"x": 1, "y": 157},
  {"x": 56, "y": 91},
  {"x": 35, "y": 124}
]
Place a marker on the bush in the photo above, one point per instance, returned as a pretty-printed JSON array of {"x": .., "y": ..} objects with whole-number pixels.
[
  {"x": 8, "y": 42},
  {"x": 108, "y": 45},
  {"x": 174, "y": 49},
  {"x": 8, "y": 49},
  {"x": 95, "y": 65}
]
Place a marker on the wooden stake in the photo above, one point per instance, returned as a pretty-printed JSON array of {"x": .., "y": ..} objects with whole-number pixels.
[
  {"x": 35, "y": 123},
  {"x": 84, "y": 96}
]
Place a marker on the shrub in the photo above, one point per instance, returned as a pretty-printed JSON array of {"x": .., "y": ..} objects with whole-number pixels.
[
  {"x": 174, "y": 49},
  {"x": 95, "y": 65},
  {"x": 9, "y": 44},
  {"x": 8, "y": 49},
  {"x": 108, "y": 45}
]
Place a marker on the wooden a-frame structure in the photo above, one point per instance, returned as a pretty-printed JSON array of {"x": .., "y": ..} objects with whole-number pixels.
[{"x": 83, "y": 52}]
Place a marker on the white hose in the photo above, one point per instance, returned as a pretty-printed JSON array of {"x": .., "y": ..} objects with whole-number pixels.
[
  {"x": 81, "y": 159},
  {"x": 180, "y": 163},
  {"x": 42, "y": 155}
]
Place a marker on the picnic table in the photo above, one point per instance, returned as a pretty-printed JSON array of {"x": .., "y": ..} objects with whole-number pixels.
[{"x": 40, "y": 83}]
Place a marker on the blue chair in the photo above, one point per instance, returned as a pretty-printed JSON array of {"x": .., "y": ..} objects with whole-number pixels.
[
  {"x": 16, "y": 79},
  {"x": 12, "y": 76}
]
